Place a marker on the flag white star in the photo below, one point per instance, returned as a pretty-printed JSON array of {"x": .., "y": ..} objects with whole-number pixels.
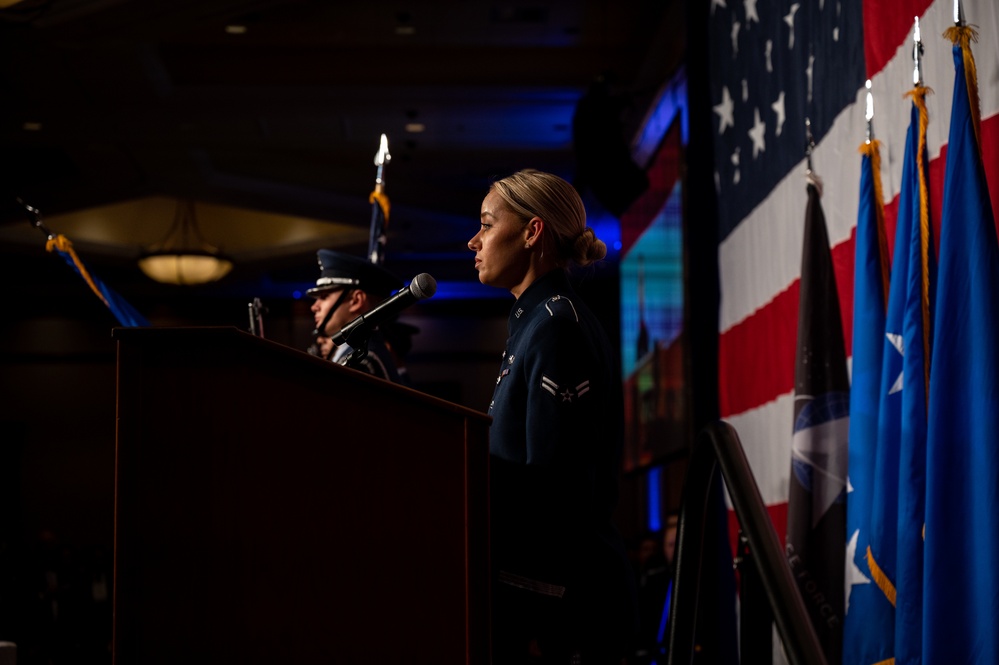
[
  {"x": 778, "y": 108},
  {"x": 745, "y": 90},
  {"x": 751, "y": 14},
  {"x": 853, "y": 574},
  {"x": 736, "y": 175},
  {"x": 789, "y": 19},
  {"x": 717, "y": 3},
  {"x": 757, "y": 134},
  {"x": 766, "y": 54},
  {"x": 725, "y": 110},
  {"x": 735, "y": 39},
  {"x": 899, "y": 344}
]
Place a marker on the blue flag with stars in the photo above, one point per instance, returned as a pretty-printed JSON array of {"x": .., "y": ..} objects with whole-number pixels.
[
  {"x": 895, "y": 555},
  {"x": 961, "y": 610},
  {"x": 867, "y": 628}
]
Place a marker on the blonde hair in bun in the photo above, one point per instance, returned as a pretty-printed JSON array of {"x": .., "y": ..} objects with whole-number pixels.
[{"x": 532, "y": 193}]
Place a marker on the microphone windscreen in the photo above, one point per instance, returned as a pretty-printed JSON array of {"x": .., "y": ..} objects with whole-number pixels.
[{"x": 423, "y": 286}]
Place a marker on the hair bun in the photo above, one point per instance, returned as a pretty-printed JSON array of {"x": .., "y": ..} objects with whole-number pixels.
[{"x": 588, "y": 248}]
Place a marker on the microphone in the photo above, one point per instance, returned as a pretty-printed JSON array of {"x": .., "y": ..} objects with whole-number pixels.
[{"x": 422, "y": 286}]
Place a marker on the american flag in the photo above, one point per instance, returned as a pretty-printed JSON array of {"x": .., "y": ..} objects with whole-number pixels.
[{"x": 775, "y": 63}]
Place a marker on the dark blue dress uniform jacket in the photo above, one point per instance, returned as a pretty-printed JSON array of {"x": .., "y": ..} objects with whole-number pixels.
[{"x": 555, "y": 445}]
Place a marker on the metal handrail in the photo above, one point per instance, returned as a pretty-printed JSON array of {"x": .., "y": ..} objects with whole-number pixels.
[{"x": 718, "y": 448}]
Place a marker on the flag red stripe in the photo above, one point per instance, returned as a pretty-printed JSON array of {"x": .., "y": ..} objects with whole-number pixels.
[
  {"x": 886, "y": 27},
  {"x": 756, "y": 356},
  {"x": 755, "y": 377}
]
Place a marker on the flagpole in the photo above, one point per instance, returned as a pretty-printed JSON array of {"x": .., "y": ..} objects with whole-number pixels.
[
  {"x": 917, "y": 57},
  {"x": 379, "y": 206},
  {"x": 35, "y": 217},
  {"x": 869, "y": 113},
  {"x": 56, "y": 242}
]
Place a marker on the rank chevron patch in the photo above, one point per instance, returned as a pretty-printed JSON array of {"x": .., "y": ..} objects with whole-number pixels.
[{"x": 567, "y": 393}]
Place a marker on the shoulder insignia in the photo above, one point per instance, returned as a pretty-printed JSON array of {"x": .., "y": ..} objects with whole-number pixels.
[
  {"x": 566, "y": 393},
  {"x": 558, "y": 300}
]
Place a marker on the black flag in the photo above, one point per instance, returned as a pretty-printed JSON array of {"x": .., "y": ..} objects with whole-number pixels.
[{"x": 816, "y": 520}]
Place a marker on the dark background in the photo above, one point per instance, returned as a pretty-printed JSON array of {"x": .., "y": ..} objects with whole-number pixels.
[{"x": 111, "y": 101}]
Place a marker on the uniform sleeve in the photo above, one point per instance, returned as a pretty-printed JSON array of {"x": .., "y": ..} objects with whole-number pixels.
[{"x": 563, "y": 395}]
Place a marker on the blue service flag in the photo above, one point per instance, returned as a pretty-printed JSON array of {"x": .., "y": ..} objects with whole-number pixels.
[
  {"x": 378, "y": 237},
  {"x": 895, "y": 556},
  {"x": 961, "y": 609},
  {"x": 867, "y": 627},
  {"x": 127, "y": 315}
]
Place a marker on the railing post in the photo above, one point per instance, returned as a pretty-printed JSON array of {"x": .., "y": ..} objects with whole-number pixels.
[
  {"x": 718, "y": 448},
  {"x": 756, "y": 619}
]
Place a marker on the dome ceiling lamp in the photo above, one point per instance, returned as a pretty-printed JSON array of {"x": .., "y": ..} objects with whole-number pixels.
[{"x": 183, "y": 256}]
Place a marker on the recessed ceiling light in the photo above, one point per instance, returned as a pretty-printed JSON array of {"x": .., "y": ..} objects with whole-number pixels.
[
  {"x": 32, "y": 126},
  {"x": 415, "y": 127},
  {"x": 405, "y": 30},
  {"x": 235, "y": 29}
]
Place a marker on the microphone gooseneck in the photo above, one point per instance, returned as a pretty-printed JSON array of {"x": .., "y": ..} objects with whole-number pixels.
[{"x": 423, "y": 286}]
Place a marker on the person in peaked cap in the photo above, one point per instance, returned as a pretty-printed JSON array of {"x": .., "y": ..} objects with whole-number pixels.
[{"x": 348, "y": 287}]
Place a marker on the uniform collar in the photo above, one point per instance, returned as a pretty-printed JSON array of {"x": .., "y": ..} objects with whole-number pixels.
[{"x": 553, "y": 283}]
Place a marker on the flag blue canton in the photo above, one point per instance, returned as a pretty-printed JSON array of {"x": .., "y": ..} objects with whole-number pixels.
[{"x": 761, "y": 97}]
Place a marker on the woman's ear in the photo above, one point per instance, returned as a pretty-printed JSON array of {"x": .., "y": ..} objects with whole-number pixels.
[{"x": 535, "y": 229}]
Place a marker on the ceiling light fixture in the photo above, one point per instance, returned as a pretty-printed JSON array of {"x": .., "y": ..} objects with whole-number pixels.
[{"x": 183, "y": 256}]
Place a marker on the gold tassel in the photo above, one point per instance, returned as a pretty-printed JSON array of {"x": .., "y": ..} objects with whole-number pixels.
[
  {"x": 880, "y": 578},
  {"x": 918, "y": 95},
  {"x": 873, "y": 151},
  {"x": 964, "y": 35},
  {"x": 63, "y": 244},
  {"x": 383, "y": 203}
]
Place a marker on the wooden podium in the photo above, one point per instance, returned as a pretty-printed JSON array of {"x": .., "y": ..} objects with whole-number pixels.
[{"x": 271, "y": 507}]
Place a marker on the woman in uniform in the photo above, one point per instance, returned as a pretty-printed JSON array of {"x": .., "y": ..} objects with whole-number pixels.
[{"x": 563, "y": 590}]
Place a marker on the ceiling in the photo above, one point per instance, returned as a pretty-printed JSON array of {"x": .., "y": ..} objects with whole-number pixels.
[{"x": 268, "y": 115}]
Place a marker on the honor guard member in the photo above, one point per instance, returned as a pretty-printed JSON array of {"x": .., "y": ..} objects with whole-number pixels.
[
  {"x": 563, "y": 588},
  {"x": 348, "y": 287}
]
